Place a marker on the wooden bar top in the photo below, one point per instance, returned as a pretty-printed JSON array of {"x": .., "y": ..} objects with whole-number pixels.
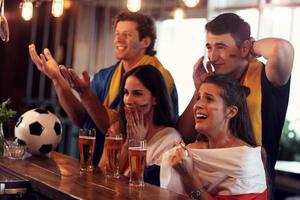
[{"x": 58, "y": 177}]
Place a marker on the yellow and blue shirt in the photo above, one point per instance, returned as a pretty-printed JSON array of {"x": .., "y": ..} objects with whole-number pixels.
[{"x": 267, "y": 105}]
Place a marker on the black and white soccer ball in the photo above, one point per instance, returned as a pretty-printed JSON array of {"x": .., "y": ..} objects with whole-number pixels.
[{"x": 40, "y": 130}]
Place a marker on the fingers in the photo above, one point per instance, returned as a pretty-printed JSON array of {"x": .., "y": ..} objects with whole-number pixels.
[
  {"x": 48, "y": 54},
  {"x": 74, "y": 78},
  {"x": 177, "y": 159},
  {"x": 135, "y": 115},
  {"x": 34, "y": 56},
  {"x": 64, "y": 72},
  {"x": 202, "y": 66},
  {"x": 251, "y": 39},
  {"x": 174, "y": 161},
  {"x": 68, "y": 74},
  {"x": 139, "y": 116},
  {"x": 199, "y": 64},
  {"x": 43, "y": 59},
  {"x": 85, "y": 76},
  {"x": 129, "y": 124},
  {"x": 210, "y": 69},
  {"x": 146, "y": 124},
  {"x": 180, "y": 152},
  {"x": 182, "y": 144},
  {"x": 199, "y": 70},
  {"x": 128, "y": 131},
  {"x": 136, "y": 124}
]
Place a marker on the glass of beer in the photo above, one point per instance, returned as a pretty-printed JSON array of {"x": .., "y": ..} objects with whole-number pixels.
[
  {"x": 137, "y": 151},
  {"x": 113, "y": 146},
  {"x": 87, "y": 140}
]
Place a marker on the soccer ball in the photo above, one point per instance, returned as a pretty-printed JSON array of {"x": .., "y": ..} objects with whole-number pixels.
[{"x": 39, "y": 130}]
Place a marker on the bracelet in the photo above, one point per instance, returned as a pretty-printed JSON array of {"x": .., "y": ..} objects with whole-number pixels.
[{"x": 196, "y": 194}]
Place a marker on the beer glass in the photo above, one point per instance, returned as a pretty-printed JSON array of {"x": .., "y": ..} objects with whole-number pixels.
[
  {"x": 113, "y": 146},
  {"x": 137, "y": 161},
  {"x": 87, "y": 140}
]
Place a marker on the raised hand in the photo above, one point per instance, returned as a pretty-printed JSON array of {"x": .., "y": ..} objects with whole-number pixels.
[
  {"x": 201, "y": 72},
  {"x": 45, "y": 62},
  {"x": 81, "y": 85}
]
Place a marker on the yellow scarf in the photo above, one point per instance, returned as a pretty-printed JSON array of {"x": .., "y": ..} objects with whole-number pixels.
[
  {"x": 252, "y": 79},
  {"x": 114, "y": 87}
]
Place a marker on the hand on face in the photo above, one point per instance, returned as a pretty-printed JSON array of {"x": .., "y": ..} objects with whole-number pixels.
[
  {"x": 201, "y": 72},
  {"x": 137, "y": 125},
  {"x": 45, "y": 62},
  {"x": 81, "y": 85}
]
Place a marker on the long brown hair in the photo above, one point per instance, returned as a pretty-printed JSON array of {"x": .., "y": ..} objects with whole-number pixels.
[
  {"x": 235, "y": 95},
  {"x": 153, "y": 80}
]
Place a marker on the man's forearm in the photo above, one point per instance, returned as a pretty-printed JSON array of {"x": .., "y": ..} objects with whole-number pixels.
[
  {"x": 96, "y": 110},
  {"x": 69, "y": 102},
  {"x": 186, "y": 123},
  {"x": 280, "y": 55}
]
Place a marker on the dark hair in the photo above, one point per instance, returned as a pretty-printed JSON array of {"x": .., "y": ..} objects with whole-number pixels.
[
  {"x": 235, "y": 95},
  {"x": 230, "y": 23},
  {"x": 153, "y": 80},
  {"x": 145, "y": 27}
]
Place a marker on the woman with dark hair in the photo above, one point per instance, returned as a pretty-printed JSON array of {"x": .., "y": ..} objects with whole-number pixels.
[
  {"x": 145, "y": 113},
  {"x": 228, "y": 164},
  {"x": 152, "y": 80}
]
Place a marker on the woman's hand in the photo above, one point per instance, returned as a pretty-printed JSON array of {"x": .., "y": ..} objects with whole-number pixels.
[
  {"x": 183, "y": 164},
  {"x": 179, "y": 162},
  {"x": 137, "y": 126}
]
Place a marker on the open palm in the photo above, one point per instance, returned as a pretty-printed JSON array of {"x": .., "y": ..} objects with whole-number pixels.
[{"x": 45, "y": 62}]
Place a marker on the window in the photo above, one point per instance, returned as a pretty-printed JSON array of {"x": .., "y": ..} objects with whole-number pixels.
[{"x": 180, "y": 43}]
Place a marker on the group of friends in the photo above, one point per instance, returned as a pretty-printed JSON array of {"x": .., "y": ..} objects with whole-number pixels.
[{"x": 225, "y": 143}]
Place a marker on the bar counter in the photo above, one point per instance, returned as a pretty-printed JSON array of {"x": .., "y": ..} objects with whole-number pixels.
[{"x": 58, "y": 177}]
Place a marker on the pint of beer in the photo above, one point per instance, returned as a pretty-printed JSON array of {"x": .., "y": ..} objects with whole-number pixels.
[
  {"x": 137, "y": 161},
  {"x": 113, "y": 146},
  {"x": 87, "y": 140}
]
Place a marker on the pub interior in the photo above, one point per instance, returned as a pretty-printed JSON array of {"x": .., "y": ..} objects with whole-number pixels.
[{"x": 82, "y": 36}]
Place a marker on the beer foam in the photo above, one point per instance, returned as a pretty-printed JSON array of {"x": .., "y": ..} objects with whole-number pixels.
[
  {"x": 87, "y": 137},
  {"x": 113, "y": 138},
  {"x": 137, "y": 148}
]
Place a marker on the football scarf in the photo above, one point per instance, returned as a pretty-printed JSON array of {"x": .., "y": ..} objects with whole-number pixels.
[{"x": 252, "y": 80}]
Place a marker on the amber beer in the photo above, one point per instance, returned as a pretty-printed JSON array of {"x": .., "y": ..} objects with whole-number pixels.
[
  {"x": 137, "y": 163},
  {"x": 87, "y": 140},
  {"x": 113, "y": 145}
]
